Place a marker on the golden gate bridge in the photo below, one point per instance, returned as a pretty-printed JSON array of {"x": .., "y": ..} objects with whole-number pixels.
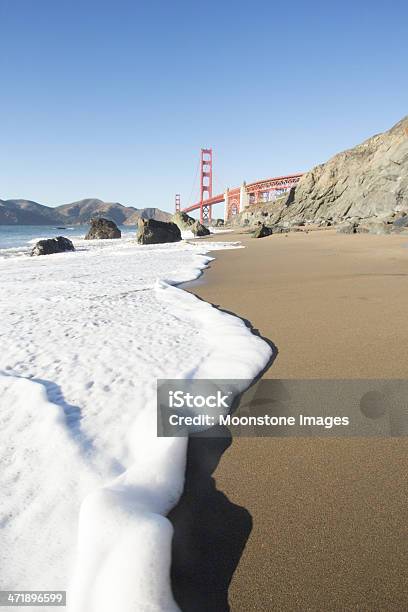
[{"x": 235, "y": 199}]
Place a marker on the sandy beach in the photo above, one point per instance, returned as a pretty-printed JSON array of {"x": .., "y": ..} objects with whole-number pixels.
[{"x": 303, "y": 524}]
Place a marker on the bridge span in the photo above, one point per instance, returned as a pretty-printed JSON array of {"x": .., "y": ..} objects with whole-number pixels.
[{"x": 235, "y": 199}]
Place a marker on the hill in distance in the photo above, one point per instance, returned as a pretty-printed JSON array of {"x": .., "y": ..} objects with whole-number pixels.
[{"x": 27, "y": 212}]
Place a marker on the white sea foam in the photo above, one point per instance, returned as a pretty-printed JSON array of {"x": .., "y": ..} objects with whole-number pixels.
[{"x": 85, "y": 335}]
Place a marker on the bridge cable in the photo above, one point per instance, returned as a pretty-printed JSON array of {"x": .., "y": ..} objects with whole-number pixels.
[{"x": 193, "y": 185}]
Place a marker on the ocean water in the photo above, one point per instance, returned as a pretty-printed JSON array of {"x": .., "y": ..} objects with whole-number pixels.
[
  {"x": 85, "y": 483},
  {"x": 21, "y": 237}
]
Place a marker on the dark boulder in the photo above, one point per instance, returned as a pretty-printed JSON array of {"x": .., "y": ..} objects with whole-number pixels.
[
  {"x": 217, "y": 222},
  {"x": 103, "y": 229},
  {"x": 262, "y": 231},
  {"x": 150, "y": 231},
  {"x": 52, "y": 245}
]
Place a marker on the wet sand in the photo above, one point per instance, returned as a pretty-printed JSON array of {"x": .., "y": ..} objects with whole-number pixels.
[{"x": 309, "y": 524}]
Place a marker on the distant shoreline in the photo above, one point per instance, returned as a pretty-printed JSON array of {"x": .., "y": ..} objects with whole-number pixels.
[
  {"x": 52, "y": 225},
  {"x": 21, "y": 236}
]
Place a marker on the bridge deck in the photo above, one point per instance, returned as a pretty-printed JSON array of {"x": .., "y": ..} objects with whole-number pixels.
[
  {"x": 208, "y": 202},
  {"x": 271, "y": 184}
]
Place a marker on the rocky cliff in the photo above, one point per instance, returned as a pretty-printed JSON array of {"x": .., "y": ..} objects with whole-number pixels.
[
  {"x": 369, "y": 181},
  {"x": 366, "y": 183}
]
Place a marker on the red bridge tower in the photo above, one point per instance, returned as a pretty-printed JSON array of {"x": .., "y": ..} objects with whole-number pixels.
[
  {"x": 178, "y": 202},
  {"x": 205, "y": 184}
]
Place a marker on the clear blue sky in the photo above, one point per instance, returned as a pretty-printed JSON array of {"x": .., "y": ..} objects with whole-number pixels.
[{"x": 113, "y": 99}]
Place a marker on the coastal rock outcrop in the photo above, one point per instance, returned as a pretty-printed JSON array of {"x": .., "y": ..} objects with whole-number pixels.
[
  {"x": 363, "y": 185},
  {"x": 103, "y": 229},
  {"x": 60, "y": 244},
  {"x": 199, "y": 229},
  {"x": 367, "y": 182},
  {"x": 259, "y": 214},
  {"x": 380, "y": 228},
  {"x": 376, "y": 227},
  {"x": 347, "y": 228},
  {"x": 185, "y": 222},
  {"x": 151, "y": 231},
  {"x": 401, "y": 221},
  {"x": 262, "y": 231}
]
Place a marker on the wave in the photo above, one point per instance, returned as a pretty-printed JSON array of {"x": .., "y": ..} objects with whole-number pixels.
[{"x": 104, "y": 324}]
